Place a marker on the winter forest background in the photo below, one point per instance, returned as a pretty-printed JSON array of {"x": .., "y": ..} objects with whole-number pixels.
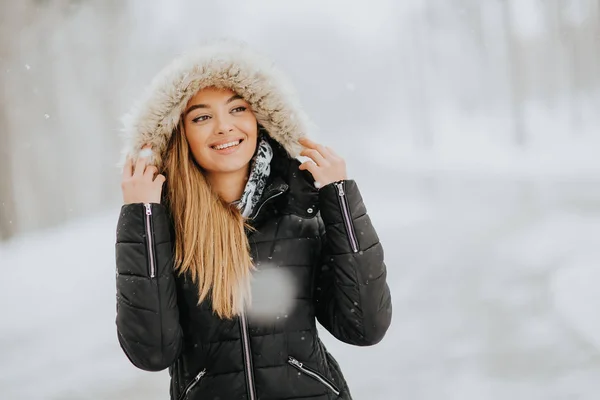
[{"x": 472, "y": 127}]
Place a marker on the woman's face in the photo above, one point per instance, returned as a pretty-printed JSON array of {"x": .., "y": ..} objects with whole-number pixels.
[{"x": 221, "y": 130}]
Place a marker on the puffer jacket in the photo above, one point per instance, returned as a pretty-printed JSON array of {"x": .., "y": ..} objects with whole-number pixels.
[{"x": 323, "y": 243}]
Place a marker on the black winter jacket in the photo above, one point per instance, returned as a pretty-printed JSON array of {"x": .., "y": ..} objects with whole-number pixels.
[{"x": 322, "y": 238}]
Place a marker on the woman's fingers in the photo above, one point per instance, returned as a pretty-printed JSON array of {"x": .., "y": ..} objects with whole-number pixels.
[
  {"x": 144, "y": 184},
  {"x": 306, "y": 142},
  {"x": 325, "y": 165},
  {"x": 160, "y": 179},
  {"x": 315, "y": 156},
  {"x": 333, "y": 153},
  {"x": 127, "y": 172},
  {"x": 140, "y": 165},
  {"x": 310, "y": 166},
  {"x": 150, "y": 171}
]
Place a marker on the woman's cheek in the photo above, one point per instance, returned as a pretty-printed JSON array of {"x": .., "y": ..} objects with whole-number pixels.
[
  {"x": 249, "y": 122},
  {"x": 197, "y": 135}
]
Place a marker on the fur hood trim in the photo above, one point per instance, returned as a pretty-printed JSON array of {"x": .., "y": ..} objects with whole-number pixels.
[{"x": 223, "y": 64}]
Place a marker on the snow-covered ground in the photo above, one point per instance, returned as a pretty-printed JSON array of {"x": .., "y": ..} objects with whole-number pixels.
[{"x": 493, "y": 282}]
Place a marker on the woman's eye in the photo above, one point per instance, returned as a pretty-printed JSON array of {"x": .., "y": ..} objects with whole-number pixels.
[
  {"x": 239, "y": 109},
  {"x": 200, "y": 118}
]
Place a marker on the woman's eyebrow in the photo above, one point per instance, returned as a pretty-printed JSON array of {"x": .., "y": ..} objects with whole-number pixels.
[
  {"x": 234, "y": 97},
  {"x": 196, "y": 106}
]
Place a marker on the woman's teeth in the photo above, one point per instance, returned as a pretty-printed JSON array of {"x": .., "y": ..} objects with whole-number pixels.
[{"x": 226, "y": 145}]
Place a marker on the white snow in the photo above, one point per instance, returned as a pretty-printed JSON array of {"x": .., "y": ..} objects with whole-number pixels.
[
  {"x": 493, "y": 283},
  {"x": 493, "y": 251}
]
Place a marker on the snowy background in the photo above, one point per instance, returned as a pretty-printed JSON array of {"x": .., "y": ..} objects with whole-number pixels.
[{"x": 471, "y": 126}]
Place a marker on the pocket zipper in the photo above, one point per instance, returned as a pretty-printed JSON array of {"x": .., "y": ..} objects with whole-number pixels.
[
  {"x": 148, "y": 224},
  {"x": 346, "y": 216},
  {"x": 313, "y": 374},
  {"x": 192, "y": 384}
]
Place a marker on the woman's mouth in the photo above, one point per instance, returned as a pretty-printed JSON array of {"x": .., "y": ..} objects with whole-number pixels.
[{"x": 226, "y": 148}]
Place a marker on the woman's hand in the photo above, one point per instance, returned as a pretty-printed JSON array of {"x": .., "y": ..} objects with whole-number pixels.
[
  {"x": 326, "y": 166},
  {"x": 139, "y": 184}
]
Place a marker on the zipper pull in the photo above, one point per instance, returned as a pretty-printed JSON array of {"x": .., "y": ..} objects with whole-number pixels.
[
  {"x": 200, "y": 375},
  {"x": 295, "y": 362},
  {"x": 148, "y": 208},
  {"x": 193, "y": 383},
  {"x": 340, "y": 186}
]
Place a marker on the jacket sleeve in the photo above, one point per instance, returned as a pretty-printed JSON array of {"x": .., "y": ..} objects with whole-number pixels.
[
  {"x": 147, "y": 314},
  {"x": 352, "y": 298}
]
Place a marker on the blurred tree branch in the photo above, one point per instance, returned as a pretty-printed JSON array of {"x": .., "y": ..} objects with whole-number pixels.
[
  {"x": 514, "y": 73},
  {"x": 7, "y": 200},
  {"x": 7, "y": 196}
]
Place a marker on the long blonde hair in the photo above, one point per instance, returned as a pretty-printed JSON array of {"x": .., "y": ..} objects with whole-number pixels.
[{"x": 211, "y": 245}]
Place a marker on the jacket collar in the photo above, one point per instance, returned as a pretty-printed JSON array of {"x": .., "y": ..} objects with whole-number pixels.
[
  {"x": 291, "y": 189},
  {"x": 275, "y": 189}
]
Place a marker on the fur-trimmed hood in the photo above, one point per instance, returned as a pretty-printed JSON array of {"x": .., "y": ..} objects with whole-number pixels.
[{"x": 224, "y": 64}]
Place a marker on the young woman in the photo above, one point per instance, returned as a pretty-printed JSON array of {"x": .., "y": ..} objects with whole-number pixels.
[{"x": 223, "y": 271}]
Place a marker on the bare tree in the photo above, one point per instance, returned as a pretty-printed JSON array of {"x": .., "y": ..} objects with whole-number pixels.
[
  {"x": 7, "y": 200},
  {"x": 514, "y": 75},
  {"x": 7, "y": 196},
  {"x": 421, "y": 107},
  {"x": 570, "y": 44}
]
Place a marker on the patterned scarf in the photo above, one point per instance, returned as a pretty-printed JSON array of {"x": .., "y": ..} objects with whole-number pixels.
[{"x": 259, "y": 172}]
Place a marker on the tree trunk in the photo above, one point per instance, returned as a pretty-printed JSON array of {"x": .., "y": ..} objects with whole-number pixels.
[
  {"x": 8, "y": 217},
  {"x": 421, "y": 107},
  {"x": 7, "y": 203},
  {"x": 514, "y": 76}
]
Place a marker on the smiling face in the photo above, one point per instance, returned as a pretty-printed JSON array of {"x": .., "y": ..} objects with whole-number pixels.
[{"x": 221, "y": 131}]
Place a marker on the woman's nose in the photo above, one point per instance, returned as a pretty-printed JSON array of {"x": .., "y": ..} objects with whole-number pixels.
[{"x": 225, "y": 126}]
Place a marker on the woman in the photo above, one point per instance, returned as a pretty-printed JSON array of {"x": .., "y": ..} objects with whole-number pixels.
[{"x": 224, "y": 271}]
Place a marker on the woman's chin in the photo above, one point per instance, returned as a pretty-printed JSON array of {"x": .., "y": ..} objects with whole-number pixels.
[{"x": 229, "y": 166}]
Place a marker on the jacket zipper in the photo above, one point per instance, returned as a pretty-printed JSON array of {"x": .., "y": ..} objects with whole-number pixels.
[
  {"x": 247, "y": 357},
  {"x": 314, "y": 374},
  {"x": 192, "y": 384},
  {"x": 265, "y": 202},
  {"x": 346, "y": 216},
  {"x": 244, "y": 325},
  {"x": 149, "y": 239}
]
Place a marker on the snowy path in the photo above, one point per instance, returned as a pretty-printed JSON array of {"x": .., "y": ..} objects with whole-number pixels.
[{"x": 493, "y": 286}]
